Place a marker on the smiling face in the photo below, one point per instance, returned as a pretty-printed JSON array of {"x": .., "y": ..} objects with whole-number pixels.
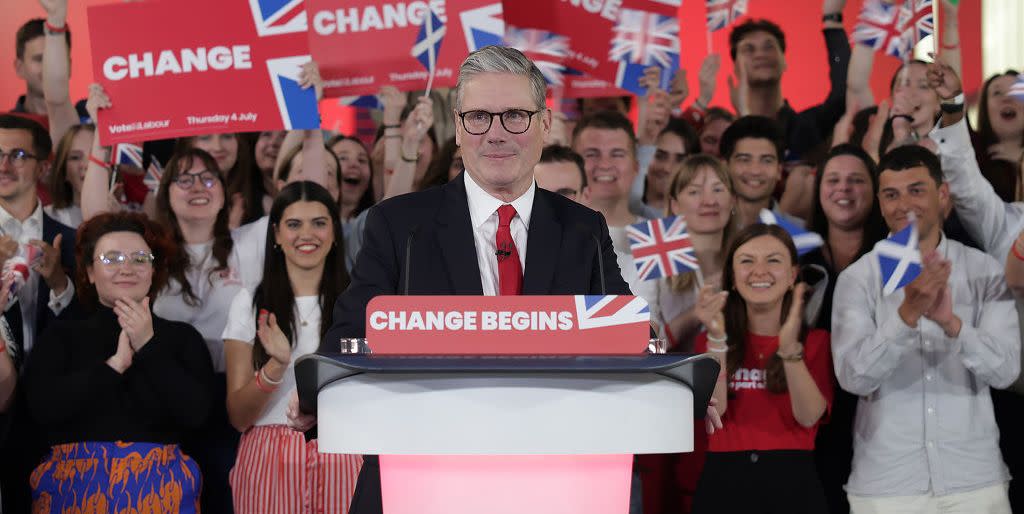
[
  {"x": 1005, "y": 114},
  {"x": 355, "y": 170},
  {"x": 705, "y": 202},
  {"x": 126, "y": 280},
  {"x": 305, "y": 234},
  {"x": 763, "y": 271},
  {"x": 912, "y": 95},
  {"x": 671, "y": 149},
  {"x": 78, "y": 159},
  {"x": 846, "y": 194},
  {"x": 223, "y": 148},
  {"x": 196, "y": 202},
  {"x": 755, "y": 169},
  {"x": 499, "y": 161},
  {"x": 609, "y": 161},
  {"x": 912, "y": 190},
  {"x": 18, "y": 181},
  {"x": 761, "y": 58}
]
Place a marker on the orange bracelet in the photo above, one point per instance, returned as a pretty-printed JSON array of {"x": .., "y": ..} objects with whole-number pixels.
[{"x": 1013, "y": 250}]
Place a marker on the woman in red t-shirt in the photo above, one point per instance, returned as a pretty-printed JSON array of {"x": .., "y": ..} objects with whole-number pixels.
[{"x": 775, "y": 386}]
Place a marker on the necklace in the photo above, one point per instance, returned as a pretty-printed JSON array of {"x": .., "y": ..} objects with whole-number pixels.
[{"x": 304, "y": 320}]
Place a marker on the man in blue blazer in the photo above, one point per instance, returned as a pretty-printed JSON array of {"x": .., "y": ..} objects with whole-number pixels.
[{"x": 489, "y": 231}]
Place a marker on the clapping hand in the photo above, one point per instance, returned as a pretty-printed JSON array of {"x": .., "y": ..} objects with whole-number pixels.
[
  {"x": 789, "y": 334},
  {"x": 709, "y": 310},
  {"x": 923, "y": 293},
  {"x": 272, "y": 338},
  {"x": 136, "y": 321}
]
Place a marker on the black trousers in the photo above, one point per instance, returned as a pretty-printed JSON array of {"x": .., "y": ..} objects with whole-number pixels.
[
  {"x": 367, "y": 498},
  {"x": 769, "y": 482}
]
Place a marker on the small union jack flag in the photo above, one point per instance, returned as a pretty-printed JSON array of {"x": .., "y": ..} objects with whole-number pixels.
[
  {"x": 878, "y": 27},
  {"x": 644, "y": 39},
  {"x": 661, "y": 248},
  {"x": 917, "y": 21},
  {"x": 595, "y": 311},
  {"x": 128, "y": 154},
  {"x": 1017, "y": 89},
  {"x": 546, "y": 49},
  {"x": 722, "y": 13},
  {"x": 153, "y": 174}
]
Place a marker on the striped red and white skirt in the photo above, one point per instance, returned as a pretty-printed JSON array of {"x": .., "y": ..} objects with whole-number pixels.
[{"x": 278, "y": 472}]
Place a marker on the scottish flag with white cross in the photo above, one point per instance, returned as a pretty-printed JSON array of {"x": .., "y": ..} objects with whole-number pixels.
[{"x": 899, "y": 259}]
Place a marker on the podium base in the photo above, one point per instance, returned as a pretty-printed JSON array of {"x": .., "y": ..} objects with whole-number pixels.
[{"x": 505, "y": 484}]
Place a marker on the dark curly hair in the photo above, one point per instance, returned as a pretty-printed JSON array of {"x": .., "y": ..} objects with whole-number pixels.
[{"x": 90, "y": 232}]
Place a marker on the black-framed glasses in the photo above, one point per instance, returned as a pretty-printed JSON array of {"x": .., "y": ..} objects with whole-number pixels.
[
  {"x": 515, "y": 121},
  {"x": 17, "y": 157},
  {"x": 206, "y": 178},
  {"x": 137, "y": 259}
]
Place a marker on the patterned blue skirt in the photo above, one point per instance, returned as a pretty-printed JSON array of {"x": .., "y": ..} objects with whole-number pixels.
[{"x": 116, "y": 477}]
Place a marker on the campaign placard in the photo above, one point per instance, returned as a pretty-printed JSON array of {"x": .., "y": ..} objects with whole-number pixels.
[
  {"x": 188, "y": 67},
  {"x": 362, "y": 45},
  {"x": 508, "y": 325}
]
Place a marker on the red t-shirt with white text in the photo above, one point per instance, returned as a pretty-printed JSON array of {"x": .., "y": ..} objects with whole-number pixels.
[{"x": 756, "y": 419}]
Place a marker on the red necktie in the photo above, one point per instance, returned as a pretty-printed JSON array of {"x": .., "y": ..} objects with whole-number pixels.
[{"x": 510, "y": 272}]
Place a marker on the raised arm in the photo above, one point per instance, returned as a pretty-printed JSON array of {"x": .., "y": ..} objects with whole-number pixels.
[
  {"x": 949, "y": 47},
  {"x": 96, "y": 184},
  {"x": 415, "y": 127},
  {"x": 57, "y": 71}
]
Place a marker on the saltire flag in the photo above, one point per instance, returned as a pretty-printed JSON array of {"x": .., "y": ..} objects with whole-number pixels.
[
  {"x": 642, "y": 39},
  {"x": 661, "y": 248},
  {"x": 878, "y": 27},
  {"x": 1017, "y": 89},
  {"x": 899, "y": 259},
  {"x": 153, "y": 174},
  {"x": 803, "y": 239},
  {"x": 917, "y": 22},
  {"x": 546, "y": 49},
  {"x": 428, "y": 44},
  {"x": 127, "y": 154},
  {"x": 722, "y": 13}
]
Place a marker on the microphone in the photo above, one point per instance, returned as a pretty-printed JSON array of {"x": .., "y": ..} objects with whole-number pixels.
[
  {"x": 504, "y": 252},
  {"x": 408, "y": 256},
  {"x": 600, "y": 256}
]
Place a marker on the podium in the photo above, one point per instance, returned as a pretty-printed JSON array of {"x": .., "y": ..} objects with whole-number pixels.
[{"x": 505, "y": 434}]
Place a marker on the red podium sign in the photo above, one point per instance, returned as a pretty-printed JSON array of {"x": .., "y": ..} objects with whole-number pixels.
[{"x": 508, "y": 325}]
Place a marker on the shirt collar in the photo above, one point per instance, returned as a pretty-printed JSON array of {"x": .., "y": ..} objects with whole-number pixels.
[
  {"x": 37, "y": 216},
  {"x": 482, "y": 205}
]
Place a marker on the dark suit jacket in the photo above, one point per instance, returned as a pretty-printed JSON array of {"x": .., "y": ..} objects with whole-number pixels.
[
  {"x": 561, "y": 258},
  {"x": 561, "y": 253},
  {"x": 22, "y": 448}
]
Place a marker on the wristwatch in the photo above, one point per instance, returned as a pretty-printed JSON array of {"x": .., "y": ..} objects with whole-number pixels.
[
  {"x": 835, "y": 16},
  {"x": 953, "y": 105}
]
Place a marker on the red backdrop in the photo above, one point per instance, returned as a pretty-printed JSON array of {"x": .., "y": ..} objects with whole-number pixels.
[{"x": 801, "y": 19}]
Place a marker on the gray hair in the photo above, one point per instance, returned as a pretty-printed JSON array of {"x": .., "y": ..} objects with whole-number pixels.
[{"x": 501, "y": 59}]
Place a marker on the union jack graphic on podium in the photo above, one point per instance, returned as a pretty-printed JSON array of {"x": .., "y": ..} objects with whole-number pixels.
[
  {"x": 546, "y": 49},
  {"x": 661, "y": 248},
  {"x": 899, "y": 259},
  {"x": 644, "y": 39},
  {"x": 917, "y": 21},
  {"x": 596, "y": 311},
  {"x": 128, "y": 154},
  {"x": 722, "y": 13},
  {"x": 275, "y": 17}
]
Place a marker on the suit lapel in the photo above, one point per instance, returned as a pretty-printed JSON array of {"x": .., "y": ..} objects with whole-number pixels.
[
  {"x": 455, "y": 234},
  {"x": 543, "y": 245}
]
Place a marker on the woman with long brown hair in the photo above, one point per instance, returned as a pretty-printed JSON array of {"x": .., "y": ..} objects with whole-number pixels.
[{"x": 775, "y": 386}]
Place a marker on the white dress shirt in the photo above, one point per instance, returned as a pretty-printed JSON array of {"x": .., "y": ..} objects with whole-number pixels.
[
  {"x": 924, "y": 422},
  {"x": 23, "y": 232},
  {"x": 483, "y": 214}
]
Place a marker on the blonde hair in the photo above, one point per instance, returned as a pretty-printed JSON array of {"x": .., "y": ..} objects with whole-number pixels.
[{"x": 682, "y": 177}]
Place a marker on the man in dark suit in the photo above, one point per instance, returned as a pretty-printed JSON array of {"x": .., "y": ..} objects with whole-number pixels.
[
  {"x": 489, "y": 231},
  {"x": 25, "y": 147}
]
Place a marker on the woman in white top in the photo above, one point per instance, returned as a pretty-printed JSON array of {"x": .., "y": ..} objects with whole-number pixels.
[
  {"x": 701, "y": 191},
  {"x": 277, "y": 470},
  {"x": 65, "y": 180}
]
